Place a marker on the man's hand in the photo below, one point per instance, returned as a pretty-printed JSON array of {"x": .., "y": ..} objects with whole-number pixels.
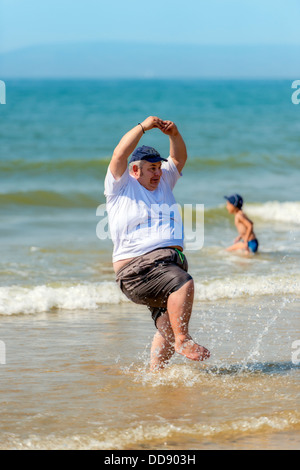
[
  {"x": 151, "y": 122},
  {"x": 167, "y": 127},
  {"x": 170, "y": 129}
]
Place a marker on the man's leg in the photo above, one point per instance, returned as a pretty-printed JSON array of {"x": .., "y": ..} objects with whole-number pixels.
[
  {"x": 162, "y": 348},
  {"x": 179, "y": 306}
]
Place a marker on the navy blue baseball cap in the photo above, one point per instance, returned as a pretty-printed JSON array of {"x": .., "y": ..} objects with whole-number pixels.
[
  {"x": 236, "y": 200},
  {"x": 146, "y": 153}
]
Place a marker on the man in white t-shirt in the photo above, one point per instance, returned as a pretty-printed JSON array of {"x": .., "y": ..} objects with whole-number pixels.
[{"x": 147, "y": 233}]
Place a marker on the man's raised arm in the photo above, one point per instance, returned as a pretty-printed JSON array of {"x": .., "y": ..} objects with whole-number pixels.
[
  {"x": 178, "y": 151},
  {"x": 128, "y": 143}
]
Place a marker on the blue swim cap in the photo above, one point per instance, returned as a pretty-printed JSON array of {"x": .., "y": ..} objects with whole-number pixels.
[{"x": 236, "y": 200}]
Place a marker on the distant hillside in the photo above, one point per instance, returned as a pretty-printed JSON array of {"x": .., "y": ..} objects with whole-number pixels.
[{"x": 107, "y": 60}]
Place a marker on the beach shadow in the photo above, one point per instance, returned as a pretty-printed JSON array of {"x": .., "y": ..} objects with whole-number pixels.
[{"x": 265, "y": 368}]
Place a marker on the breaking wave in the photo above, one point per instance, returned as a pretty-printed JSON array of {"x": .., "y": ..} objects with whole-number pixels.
[
  {"x": 89, "y": 296},
  {"x": 271, "y": 211}
]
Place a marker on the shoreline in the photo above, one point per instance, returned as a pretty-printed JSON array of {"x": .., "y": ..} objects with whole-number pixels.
[{"x": 79, "y": 379}]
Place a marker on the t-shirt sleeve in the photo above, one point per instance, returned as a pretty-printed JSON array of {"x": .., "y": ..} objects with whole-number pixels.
[
  {"x": 112, "y": 186},
  {"x": 170, "y": 172}
]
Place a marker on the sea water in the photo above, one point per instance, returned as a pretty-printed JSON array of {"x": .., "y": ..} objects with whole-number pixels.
[{"x": 75, "y": 359}]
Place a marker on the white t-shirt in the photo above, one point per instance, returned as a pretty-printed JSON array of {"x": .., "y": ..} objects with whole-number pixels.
[{"x": 141, "y": 220}]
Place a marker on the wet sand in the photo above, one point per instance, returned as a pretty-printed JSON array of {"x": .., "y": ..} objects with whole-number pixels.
[{"x": 80, "y": 380}]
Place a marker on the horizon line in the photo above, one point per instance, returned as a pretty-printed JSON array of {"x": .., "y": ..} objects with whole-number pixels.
[
  {"x": 143, "y": 43},
  {"x": 116, "y": 78}
]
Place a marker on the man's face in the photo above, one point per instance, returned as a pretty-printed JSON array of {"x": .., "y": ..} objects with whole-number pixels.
[{"x": 149, "y": 175}]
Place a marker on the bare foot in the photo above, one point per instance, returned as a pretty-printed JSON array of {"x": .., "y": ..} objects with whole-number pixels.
[{"x": 187, "y": 347}]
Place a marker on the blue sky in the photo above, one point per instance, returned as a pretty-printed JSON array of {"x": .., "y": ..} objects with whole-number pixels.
[{"x": 237, "y": 22}]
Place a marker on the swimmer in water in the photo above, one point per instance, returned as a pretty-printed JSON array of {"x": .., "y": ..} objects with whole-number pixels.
[{"x": 246, "y": 240}]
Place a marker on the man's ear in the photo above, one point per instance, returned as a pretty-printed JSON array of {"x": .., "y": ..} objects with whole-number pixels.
[{"x": 135, "y": 168}]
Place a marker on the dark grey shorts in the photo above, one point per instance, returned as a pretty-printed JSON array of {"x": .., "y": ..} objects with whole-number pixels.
[{"x": 150, "y": 279}]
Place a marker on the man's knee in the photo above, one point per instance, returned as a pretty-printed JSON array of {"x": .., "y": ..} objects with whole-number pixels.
[
  {"x": 182, "y": 296},
  {"x": 188, "y": 287},
  {"x": 190, "y": 284}
]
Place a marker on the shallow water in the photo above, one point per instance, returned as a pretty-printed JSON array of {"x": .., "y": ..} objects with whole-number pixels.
[{"x": 81, "y": 380}]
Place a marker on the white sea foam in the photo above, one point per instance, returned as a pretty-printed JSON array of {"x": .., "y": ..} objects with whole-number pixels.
[
  {"x": 247, "y": 286},
  {"x": 141, "y": 435},
  {"x": 18, "y": 300},
  {"x": 286, "y": 212},
  {"x": 21, "y": 300}
]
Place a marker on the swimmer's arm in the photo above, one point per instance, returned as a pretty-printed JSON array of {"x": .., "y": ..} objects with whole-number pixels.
[
  {"x": 238, "y": 238},
  {"x": 128, "y": 143}
]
